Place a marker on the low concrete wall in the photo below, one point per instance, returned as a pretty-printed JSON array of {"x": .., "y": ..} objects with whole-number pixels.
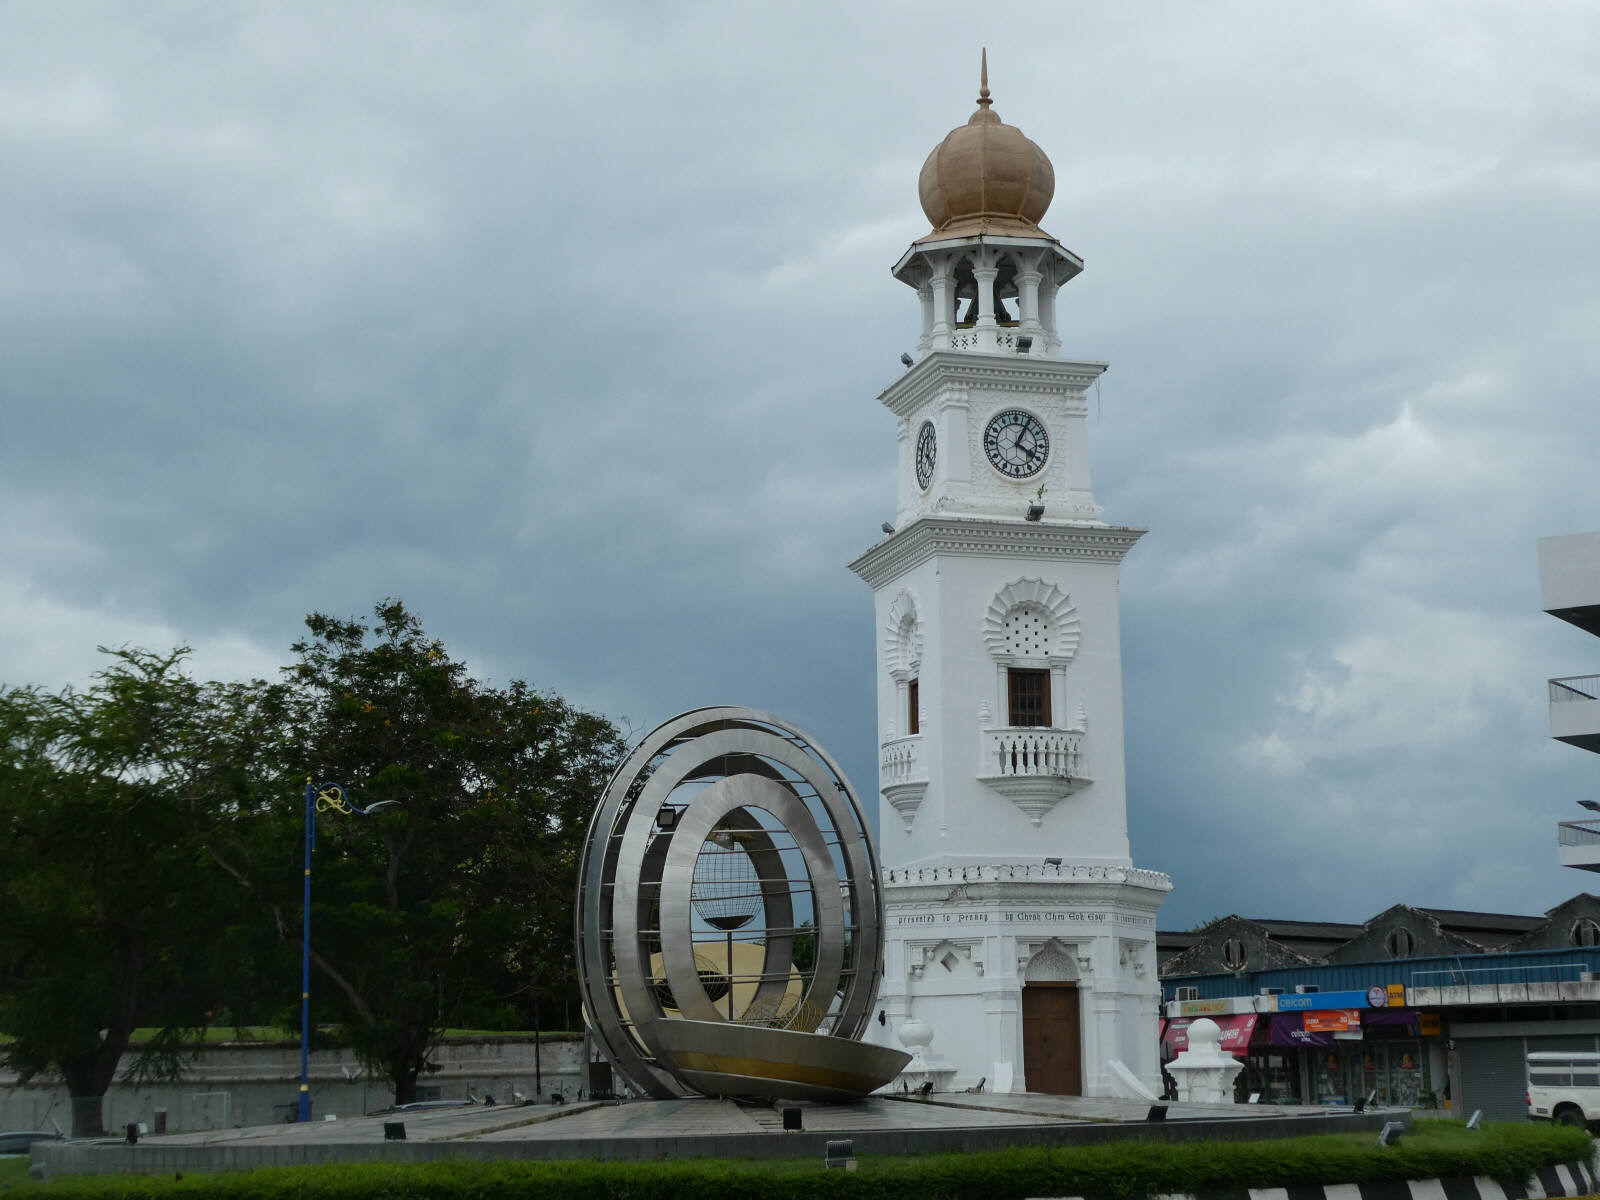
[
  {"x": 235, "y": 1084},
  {"x": 69, "y": 1158}
]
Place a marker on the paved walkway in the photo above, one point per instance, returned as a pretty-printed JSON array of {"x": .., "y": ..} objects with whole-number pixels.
[
  {"x": 644, "y": 1130},
  {"x": 711, "y": 1118}
]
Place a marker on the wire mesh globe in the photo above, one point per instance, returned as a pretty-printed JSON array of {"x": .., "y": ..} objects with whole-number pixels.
[{"x": 726, "y": 893}]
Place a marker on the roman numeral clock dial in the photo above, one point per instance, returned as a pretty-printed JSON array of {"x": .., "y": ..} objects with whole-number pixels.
[
  {"x": 1016, "y": 443},
  {"x": 927, "y": 454}
]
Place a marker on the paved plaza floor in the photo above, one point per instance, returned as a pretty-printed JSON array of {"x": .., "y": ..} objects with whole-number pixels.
[
  {"x": 645, "y": 1130},
  {"x": 677, "y": 1119}
]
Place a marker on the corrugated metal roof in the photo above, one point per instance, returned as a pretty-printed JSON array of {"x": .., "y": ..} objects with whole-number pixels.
[{"x": 1514, "y": 966}]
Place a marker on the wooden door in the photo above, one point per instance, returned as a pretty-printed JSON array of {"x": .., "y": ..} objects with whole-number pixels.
[{"x": 1052, "y": 1051}]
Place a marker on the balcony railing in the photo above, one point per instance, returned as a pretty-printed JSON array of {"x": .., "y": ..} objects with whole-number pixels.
[
  {"x": 1575, "y": 687},
  {"x": 1044, "y": 753},
  {"x": 969, "y": 339},
  {"x": 1579, "y": 833},
  {"x": 1569, "y": 972},
  {"x": 902, "y": 761}
]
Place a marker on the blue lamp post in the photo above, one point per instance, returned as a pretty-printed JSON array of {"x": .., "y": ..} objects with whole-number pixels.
[{"x": 330, "y": 797}]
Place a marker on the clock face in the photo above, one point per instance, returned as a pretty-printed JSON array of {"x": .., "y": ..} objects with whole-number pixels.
[
  {"x": 927, "y": 454},
  {"x": 1016, "y": 443}
]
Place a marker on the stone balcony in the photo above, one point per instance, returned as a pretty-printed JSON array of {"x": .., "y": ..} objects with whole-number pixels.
[
  {"x": 903, "y": 775},
  {"x": 1034, "y": 768}
]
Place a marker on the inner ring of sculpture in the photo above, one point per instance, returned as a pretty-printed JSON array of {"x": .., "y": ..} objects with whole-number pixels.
[{"x": 729, "y": 923}]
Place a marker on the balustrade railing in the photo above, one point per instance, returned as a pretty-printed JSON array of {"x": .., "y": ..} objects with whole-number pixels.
[
  {"x": 1052, "y": 753},
  {"x": 968, "y": 339},
  {"x": 1575, "y": 687},
  {"x": 902, "y": 761},
  {"x": 1579, "y": 833}
]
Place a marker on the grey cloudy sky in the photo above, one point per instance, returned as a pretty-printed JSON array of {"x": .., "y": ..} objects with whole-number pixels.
[{"x": 565, "y": 323}]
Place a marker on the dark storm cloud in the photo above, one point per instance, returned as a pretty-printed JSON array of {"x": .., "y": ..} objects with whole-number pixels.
[{"x": 565, "y": 325}]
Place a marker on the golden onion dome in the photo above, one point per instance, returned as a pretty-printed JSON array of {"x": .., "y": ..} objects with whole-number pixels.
[{"x": 986, "y": 176}]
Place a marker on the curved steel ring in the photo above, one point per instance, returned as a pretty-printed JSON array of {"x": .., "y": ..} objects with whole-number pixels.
[{"x": 635, "y": 928}]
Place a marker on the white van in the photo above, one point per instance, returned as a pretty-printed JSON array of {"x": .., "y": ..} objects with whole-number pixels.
[{"x": 1564, "y": 1087}]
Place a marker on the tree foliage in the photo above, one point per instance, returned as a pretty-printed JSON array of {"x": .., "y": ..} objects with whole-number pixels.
[
  {"x": 113, "y": 918},
  {"x": 452, "y": 905},
  {"x": 151, "y": 867}
]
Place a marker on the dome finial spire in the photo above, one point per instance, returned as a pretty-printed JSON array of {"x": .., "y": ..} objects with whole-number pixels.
[{"x": 983, "y": 80}]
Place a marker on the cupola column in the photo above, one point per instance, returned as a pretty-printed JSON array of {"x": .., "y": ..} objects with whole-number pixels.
[
  {"x": 985, "y": 272},
  {"x": 1047, "y": 317},
  {"x": 925, "y": 296},
  {"x": 942, "y": 286},
  {"x": 1028, "y": 277}
]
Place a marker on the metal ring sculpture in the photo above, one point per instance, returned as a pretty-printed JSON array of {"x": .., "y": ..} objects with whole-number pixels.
[{"x": 655, "y": 906}]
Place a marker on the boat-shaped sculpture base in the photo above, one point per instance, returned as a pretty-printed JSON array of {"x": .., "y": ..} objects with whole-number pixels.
[{"x": 723, "y": 1059}]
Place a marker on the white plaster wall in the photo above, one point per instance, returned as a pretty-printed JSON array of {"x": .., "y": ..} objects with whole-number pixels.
[{"x": 1102, "y": 919}]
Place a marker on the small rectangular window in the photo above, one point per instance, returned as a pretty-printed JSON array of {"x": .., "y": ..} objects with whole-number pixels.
[
  {"x": 1029, "y": 698},
  {"x": 1549, "y": 1077},
  {"x": 1588, "y": 1078},
  {"x": 913, "y": 704}
]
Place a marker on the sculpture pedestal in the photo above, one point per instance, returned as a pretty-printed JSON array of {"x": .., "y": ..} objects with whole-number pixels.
[{"x": 1205, "y": 1071}]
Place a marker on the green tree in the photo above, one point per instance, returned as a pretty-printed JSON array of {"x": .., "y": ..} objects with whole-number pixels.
[
  {"x": 115, "y": 917},
  {"x": 455, "y": 904}
]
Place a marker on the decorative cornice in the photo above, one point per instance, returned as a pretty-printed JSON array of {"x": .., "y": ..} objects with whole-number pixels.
[
  {"x": 902, "y": 650},
  {"x": 928, "y": 537},
  {"x": 976, "y": 877},
  {"x": 1024, "y": 590},
  {"x": 953, "y": 369}
]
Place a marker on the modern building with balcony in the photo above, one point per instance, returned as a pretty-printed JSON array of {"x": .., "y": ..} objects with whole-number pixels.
[{"x": 1569, "y": 587}]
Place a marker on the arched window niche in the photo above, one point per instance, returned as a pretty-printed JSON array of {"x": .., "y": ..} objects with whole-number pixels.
[
  {"x": 1032, "y": 630},
  {"x": 903, "y": 658}
]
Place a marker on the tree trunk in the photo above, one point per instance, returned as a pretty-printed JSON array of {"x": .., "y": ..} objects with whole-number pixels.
[
  {"x": 405, "y": 1084},
  {"x": 88, "y": 1077}
]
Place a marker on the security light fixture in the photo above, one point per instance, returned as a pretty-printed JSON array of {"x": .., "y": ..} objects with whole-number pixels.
[
  {"x": 667, "y": 818},
  {"x": 791, "y": 1120},
  {"x": 1591, "y": 805},
  {"x": 905, "y": 360},
  {"x": 1053, "y": 862},
  {"x": 1473, "y": 1121},
  {"x": 886, "y": 527},
  {"x": 1158, "y": 1112},
  {"x": 840, "y": 1154},
  {"x": 1024, "y": 344},
  {"x": 1035, "y": 511},
  {"x": 1389, "y": 1135}
]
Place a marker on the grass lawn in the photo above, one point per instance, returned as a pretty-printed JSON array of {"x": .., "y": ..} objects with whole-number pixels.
[{"x": 13, "y": 1173}]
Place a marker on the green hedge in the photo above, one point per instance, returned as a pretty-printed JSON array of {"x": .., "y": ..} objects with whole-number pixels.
[{"x": 1121, "y": 1171}]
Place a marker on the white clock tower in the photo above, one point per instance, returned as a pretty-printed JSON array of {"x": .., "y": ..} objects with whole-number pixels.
[{"x": 1021, "y": 938}]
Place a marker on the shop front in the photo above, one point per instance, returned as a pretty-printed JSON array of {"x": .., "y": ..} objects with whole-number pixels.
[
  {"x": 1349, "y": 1055},
  {"x": 1336, "y": 1048}
]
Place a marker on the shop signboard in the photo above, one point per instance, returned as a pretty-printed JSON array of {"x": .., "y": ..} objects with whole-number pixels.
[
  {"x": 1202, "y": 1008},
  {"x": 1397, "y": 995},
  {"x": 1332, "y": 1020},
  {"x": 1235, "y": 1032},
  {"x": 1429, "y": 1024},
  {"x": 1308, "y": 1001}
]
